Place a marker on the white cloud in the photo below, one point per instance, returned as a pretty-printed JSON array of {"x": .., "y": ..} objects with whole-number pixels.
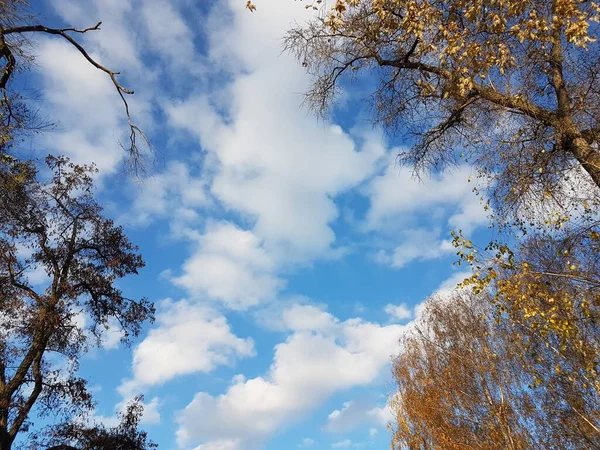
[
  {"x": 355, "y": 414},
  {"x": 230, "y": 265},
  {"x": 396, "y": 194},
  {"x": 451, "y": 283},
  {"x": 307, "y": 318},
  {"x": 342, "y": 444},
  {"x": 273, "y": 163},
  {"x": 111, "y": 336},
  {"x": 398, "y": 312},
  {"x": 151, "y": 415},
  {"x": 307, "y": 368},
  {"x": 373, "y": 432},
  {"x": 115, "y": 42},
  {"x": 70, "y": 85},
  {"x": 381, "y": 414},
  {"x": 399, "y": 204},
  {"x": 225, "y": 444},
  {"x": 417, "y": 245},
  {"x": 349, "y": 416},
  {"x": 306, "y": 443},
  {"x": 188, "y": 339},
  {"x": 281, "y": 175},
  {"x": 173, "y": 193},
  {"x": 79, "y": 98},
  {"x": 168, "y": 34}
]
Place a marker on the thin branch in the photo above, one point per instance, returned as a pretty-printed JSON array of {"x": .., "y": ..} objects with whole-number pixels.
[{"x": 122, "y": 91}]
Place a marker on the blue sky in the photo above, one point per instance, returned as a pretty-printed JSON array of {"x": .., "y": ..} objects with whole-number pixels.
[{"x": 286, "y": 255}]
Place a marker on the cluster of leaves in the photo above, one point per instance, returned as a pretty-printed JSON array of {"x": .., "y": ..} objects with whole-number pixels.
[
  {"x": 520, "y": 345},
  {"x": 124, "y": 436}
]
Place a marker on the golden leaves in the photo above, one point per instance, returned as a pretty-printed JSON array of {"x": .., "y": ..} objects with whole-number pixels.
[
  {"x": 471, "y": 34},
  {"x": 250, "y": 6}
]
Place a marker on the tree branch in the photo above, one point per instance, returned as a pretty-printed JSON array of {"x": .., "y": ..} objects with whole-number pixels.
[
  {"x": 122, "y": 91},
  {"x": 508, "y": 101},
  {"x": 556, "y": 65},
  {"x": 13, "y": 280},
  {"x": 10, "y": 64},
  {"x": 37, "y": 389}
]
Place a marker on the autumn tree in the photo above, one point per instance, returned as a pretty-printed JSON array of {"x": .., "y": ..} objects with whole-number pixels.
[
  {"x": 469, "y": 378},
  {"x": 551, "y": 298},
  {"x": 510, "y": 86},
  {"x": 60, "y": 259},
  {"x": 459, "y": 385},
  {"x": 550, "y": 293},
  {"x": 17, "y": 24}
]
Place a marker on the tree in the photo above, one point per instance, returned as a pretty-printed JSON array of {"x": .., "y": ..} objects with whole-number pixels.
[
  {"x": 547, "y": 298},
  {"x": 459, "y": 385},
  {"x": 509, "y": 85},
  {"x": 56, "y": 228},
  {"x": 15, "y": 115},
  {"x": 551, "y": 296},
  {"x": 468, "y": 379}
]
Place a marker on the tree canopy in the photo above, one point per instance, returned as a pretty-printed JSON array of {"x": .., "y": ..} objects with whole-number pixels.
[{"x": 510, "y": 86}]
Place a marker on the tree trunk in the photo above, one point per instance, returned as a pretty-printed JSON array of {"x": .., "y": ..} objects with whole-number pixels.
[
  {"x": 587, "y": 157},
  {"x": 5, "y": 441}
]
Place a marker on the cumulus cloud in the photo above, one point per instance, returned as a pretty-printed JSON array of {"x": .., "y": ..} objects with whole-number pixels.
[
  {"x": 174, "y": 193},
  {"x": 85, "y": 135},
  {"x": 307, "y": 367},
  {"x": 168, "y": 34},
  {"x": 357, "y": 413},
  {"x": 230, "y": 265},
  {"x": 381, "y": 414},
  {"x": 416, "y": 245},
  {"x": 395, "y": 194},
  {"x": 188, "y": 339},
  {"x": 398, "y": 203},
  {"x": 398, "y": 312},
  {"x": 81, "y": 99},
  {"x": 272, "y": 163}
]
